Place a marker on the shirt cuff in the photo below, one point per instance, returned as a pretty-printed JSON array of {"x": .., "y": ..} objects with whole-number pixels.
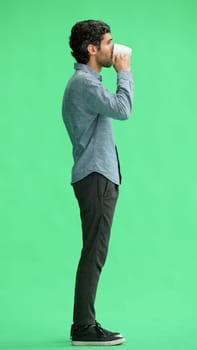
[{"x": 123, "y": 74}]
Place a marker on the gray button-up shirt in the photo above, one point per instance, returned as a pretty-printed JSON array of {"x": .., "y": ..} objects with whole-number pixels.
[{"x": 88, "y": 109}]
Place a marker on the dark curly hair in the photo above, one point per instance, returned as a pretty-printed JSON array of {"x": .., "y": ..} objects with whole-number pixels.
[{"x": 84, "y": 33}]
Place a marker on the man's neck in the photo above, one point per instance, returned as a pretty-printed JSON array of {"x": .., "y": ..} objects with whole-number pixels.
[{"x": 94, "y": 66}]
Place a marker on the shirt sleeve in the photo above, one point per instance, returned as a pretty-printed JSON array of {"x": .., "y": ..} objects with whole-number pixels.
[{"x": 116, "y": 106}]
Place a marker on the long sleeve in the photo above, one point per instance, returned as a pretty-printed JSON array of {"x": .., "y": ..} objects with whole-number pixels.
[{"x": 100, "y": 100}]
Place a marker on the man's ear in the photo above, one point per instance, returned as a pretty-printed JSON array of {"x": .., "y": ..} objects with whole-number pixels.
[{"x": 92, "y": 49}]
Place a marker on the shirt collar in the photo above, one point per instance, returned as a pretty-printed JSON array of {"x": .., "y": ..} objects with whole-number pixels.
[{"x": 87, "y": 69}]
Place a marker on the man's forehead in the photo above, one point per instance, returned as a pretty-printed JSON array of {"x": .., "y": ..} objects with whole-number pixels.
[{"x": 106, "y": 37}]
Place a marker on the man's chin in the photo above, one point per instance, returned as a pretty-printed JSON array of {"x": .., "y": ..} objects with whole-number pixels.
[{"x": 108, "y": 64}]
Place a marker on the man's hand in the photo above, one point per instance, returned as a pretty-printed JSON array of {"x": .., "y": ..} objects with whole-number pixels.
[{"x": 121, "y": 62}]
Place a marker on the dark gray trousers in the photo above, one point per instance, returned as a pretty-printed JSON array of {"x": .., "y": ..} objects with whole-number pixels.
[{"x": 97, "y": 198}]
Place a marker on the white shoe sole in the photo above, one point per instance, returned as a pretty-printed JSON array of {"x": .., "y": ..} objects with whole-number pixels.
[{"x": 98, "y": 343}]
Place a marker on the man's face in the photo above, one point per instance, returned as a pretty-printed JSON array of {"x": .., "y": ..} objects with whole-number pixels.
[{"x": 104, "y": 54}]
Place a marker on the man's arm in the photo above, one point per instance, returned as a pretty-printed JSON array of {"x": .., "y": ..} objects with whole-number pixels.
[{"x": 116, "y": 106}]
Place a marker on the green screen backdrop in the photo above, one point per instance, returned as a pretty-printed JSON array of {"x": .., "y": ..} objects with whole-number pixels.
[{"x": 148, "y": 287}]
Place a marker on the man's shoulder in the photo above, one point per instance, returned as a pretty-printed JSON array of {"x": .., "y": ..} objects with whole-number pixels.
[
  {"x": 76, "y": 80},
  {"x": 83, "y": 79}
]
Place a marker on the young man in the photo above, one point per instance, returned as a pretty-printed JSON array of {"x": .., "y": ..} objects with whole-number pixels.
[{"x": 88, "y": 109}]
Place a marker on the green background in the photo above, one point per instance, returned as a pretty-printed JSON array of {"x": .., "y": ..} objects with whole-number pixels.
[{"x": 149, "y": 284}]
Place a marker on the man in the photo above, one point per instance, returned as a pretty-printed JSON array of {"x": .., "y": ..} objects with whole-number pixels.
[{"x": 88, "y": 109}]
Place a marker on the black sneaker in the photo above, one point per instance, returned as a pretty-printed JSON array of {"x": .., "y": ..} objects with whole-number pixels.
[
  {"x": 116, "y": 334},
  {"x": 95, "y": 335}
]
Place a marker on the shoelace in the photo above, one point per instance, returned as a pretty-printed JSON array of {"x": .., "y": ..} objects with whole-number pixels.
[{"x": 99, "y": 328}]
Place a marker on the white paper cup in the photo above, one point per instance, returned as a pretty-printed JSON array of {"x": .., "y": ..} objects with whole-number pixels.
[{"x": 121, "y": 50}]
